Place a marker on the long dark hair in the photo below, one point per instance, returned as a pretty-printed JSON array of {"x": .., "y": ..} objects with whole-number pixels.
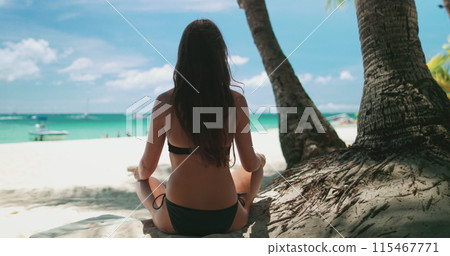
[{"x": 202, "y": 79}]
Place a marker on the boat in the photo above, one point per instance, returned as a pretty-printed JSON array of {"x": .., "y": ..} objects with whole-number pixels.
[
  {"x": 85, "y": 115},
  {"x": 41, "y": 133}
]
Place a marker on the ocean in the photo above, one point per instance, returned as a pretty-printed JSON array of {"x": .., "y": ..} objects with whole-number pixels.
[{"x": 15, "y": 127}]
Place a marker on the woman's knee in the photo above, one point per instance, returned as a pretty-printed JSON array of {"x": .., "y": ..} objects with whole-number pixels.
[
  {"x": 142, "y": 188},
  {"x": 260, "y": 171},
  {"x": 257, "y": 176}
]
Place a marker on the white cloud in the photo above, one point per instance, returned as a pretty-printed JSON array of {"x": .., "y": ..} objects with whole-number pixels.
[
  {"x": 79, "y": 64},
  {"x": 161, "y": 89},
  {"x": 86, "y": 70},
  {"x": 167, "y": 5},
  {"x": 117, "y": 66},
  {"x": 21, "y": 59},
  {"x": 84, "y": 77},
  {"x": 346, "y": 75},
  {"x": 238, "y": 60},
  {"x": 182, "y": 5},
  {"x": 16, "y": 3},
  {"x": 67, "y": 52},
  {"x": 306, "y": 77},
  {"x": 323, "y": 79},
  {"x": 332, "y": 107},
  {"x": 206, "y": 5},
  {"x": 258, "y": 80},
  {"x": 135, "y": 79},
  {"x": 81, "y": 70}
]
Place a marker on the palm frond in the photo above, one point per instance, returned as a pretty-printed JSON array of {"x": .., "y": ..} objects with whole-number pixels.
[
  {"x": 439, "y": 67},
  {"x": 333, "y": 4}
]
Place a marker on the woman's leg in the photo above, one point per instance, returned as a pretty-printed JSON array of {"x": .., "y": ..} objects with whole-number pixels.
[
  {"x": 160, "y": 216},
  {"x": 245, "y": 182},
  {"x": 144, "y": 190}
]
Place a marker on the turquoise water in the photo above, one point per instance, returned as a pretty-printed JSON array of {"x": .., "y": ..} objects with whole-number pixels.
[{"x": 14, "y": 128}]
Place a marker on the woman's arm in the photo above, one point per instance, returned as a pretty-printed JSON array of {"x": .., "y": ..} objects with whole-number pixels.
[
  {"x": 155, "y": 142},
  {"x": 250, "y": 160}
]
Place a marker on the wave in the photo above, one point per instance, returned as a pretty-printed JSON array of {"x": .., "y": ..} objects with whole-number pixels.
[
  {"x": 2, "y": 118},
  {"x": 82, "y": 117}
]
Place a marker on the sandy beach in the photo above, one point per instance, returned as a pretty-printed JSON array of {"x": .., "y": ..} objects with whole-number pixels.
[{"x": 80, "y": 188}]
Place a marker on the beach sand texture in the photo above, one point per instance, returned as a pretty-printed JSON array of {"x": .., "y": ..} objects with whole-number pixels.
[{"x": 81, "y": 188}]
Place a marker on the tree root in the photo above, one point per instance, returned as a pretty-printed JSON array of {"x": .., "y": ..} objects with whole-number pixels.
[{"x": 347, "y": 188}]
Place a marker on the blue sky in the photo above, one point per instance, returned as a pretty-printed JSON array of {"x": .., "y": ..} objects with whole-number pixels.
[{"x": 57, "y": 55}]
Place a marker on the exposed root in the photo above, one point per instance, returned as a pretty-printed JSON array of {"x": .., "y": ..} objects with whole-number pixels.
[{"x": 365, "y": 194}]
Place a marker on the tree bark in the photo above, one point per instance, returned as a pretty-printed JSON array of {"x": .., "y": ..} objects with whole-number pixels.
[
  {"x": 447, "y": 6},
  {"x": 402, "y": 105},
  {"x": 288, "y": 91}
]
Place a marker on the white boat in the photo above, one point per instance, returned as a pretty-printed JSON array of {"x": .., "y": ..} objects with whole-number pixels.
[
  {"x": 41, "y": 133},
  {"x": 85, "y": 115}
]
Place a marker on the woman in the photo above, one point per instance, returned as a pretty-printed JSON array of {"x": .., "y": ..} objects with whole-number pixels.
[{"x": 201, "y": 196}]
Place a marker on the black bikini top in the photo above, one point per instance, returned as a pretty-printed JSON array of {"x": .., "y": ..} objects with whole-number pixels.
[
  {"x": 178, "y": 151},
  {"x": 182, "y": 151}
]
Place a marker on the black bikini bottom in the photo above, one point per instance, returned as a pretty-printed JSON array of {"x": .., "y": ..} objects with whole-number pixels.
[{"x": 194, "y": 222}]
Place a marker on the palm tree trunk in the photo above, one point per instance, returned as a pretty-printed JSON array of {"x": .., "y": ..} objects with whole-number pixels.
[
  {"x": 402, "y": 105},
  {"x": 288, "y": 91},
  {"x": 447, "y": 6},
  {"x": 371, "y": 189}
]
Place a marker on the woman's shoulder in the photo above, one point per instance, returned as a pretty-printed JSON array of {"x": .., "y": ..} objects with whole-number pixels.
[
  {"x": 163, "y": 102},
  {"x": 239, "y": 99},
  {"x": 165, "y": 96}
]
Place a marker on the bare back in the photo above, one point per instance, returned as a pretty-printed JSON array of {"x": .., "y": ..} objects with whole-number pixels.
[{"x": 193, "y": 183}]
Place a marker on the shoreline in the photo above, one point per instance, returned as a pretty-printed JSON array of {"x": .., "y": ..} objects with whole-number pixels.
[{"x": 348, "y": 137}]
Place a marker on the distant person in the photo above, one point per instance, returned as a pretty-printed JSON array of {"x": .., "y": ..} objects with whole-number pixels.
[
  {"x": 202, "y": 196},
  {"x": 118, "y": 134}
]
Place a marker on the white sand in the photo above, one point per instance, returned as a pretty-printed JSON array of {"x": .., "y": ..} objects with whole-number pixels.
[{"x": 45, "y": 185}]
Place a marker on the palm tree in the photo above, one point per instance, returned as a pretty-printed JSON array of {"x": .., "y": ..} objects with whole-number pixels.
[
  {"x": 288, "y": 91},
  {"x": 394, "y": 181},
  {"x": 402, "y": 105}
]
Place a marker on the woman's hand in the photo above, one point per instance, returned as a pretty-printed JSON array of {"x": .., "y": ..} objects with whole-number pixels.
[
  {"x": 262, "y": 159},
  {"x": 137, "y": 172},
  {"x": 132, "y": 169}
]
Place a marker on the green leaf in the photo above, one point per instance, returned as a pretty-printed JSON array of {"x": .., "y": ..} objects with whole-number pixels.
[
  {"x": 333, "y": 4},
  {"x": 439, "y": 67}
]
